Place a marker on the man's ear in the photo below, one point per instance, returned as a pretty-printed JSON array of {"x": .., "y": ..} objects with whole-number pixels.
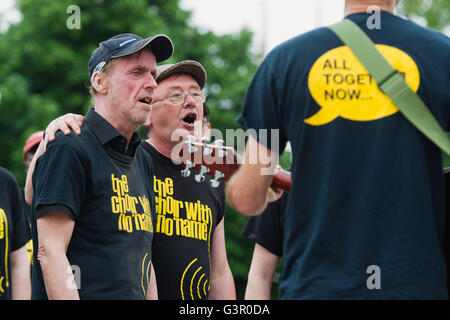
[{"x": 99, "y": 82}]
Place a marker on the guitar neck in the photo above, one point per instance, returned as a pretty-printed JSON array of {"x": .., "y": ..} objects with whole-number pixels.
[
  {"x": 282, "y": 180},
  {"x": 221, "y": 163}
]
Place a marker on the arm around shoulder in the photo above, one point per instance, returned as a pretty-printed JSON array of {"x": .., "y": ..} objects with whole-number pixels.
[{"x": 29, "y": 180}]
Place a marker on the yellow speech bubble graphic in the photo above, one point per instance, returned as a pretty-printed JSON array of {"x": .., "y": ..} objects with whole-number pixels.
[{"x": 341, "y": 85}]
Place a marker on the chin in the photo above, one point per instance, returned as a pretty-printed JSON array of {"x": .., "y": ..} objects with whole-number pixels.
[
  {"x": 180, "y": 133},
  {"x": 141, "y": 118}
]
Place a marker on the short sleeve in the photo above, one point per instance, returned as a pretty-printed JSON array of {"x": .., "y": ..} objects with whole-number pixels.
[
  {"x": 151, "y": 181},
  {"x": 221, "y": 208},
  {"x": 261, "y": 112},
  {"x": 59, "y": 178},
  {"x": 267, "y": 228},
  {"x": 21, "y": 229}
]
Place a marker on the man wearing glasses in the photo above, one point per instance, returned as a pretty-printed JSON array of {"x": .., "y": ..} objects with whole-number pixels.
[
  {"x": 188, "y": 247},
  {"x": 93, "y": 192}
]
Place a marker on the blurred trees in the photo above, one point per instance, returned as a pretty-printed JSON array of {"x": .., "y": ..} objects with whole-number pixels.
[
  {"x": 43, "y": 68},
  {"x": 43, "y": 74},
  {"x": 436, "y": 13}
]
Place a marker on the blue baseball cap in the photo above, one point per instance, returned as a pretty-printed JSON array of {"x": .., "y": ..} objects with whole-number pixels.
[{"x": 127, "y": 43}]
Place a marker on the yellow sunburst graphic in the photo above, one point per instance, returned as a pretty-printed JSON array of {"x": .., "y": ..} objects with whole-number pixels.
[
  {"x": 194, "y": 284},
  {"x": 4, "y": 235},
  {"x": 145, "y": 272}
]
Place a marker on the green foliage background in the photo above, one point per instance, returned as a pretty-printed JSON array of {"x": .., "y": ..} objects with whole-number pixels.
[
  {"x": 43, "y": 72},
  {"x": 435, "y": 13}
]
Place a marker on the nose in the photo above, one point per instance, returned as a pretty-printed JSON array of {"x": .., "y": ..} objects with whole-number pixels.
[
  {"x": 150, "y": 83},
  {"x": 189, "y": 101}
]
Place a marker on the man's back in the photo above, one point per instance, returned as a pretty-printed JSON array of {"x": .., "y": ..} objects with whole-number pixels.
[{"x": 367, "y": 217}]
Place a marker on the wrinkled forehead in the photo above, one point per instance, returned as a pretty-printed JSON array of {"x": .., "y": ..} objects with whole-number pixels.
[
  {"x": 177, "y": 81},
  {"x": 144, "y": 57}
]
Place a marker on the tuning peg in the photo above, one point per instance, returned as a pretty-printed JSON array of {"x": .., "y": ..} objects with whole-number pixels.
[
  {"x": 221, "y": 153},
  {"x": 191, "y": 140},
  {"x": 215, "y": 182},
  {"x": 200, "y": 177},
  {"x": 207, "y": 151},
  {"x": 186, "y": 171}
]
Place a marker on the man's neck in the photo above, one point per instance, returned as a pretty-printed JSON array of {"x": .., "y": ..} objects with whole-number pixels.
[
  {"x": 126, "y": 130},
  {"x": 163, "y": 148},
  {"x": 352, "y": 7}
]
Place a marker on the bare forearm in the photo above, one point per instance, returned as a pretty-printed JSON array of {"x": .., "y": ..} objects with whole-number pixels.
[
  {"x": 58, "y": 277},
  {"x": 248, "y": 190},
  {"x": 222, "y": 287},
  {"x": 20, "y": 275},
  {"x": 55, "y": 231},
  {"x": 260, "y": 276},
  {"x": 249, "y": 201},
  {"x": 21, "y": 283},
  {"x": 29, "y": 180},
  {"x": 258, "y": 288},
  {"x": 152, "y": 293}
]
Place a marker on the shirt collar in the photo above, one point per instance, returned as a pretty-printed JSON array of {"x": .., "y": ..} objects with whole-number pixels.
[{"x": 108, "y": 135}]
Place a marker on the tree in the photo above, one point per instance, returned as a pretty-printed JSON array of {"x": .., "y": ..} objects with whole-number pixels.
[
  {"x": 45, "y": 70},
  {"x": 436, "y": 13},
  {"x": 44, "y": 73}
]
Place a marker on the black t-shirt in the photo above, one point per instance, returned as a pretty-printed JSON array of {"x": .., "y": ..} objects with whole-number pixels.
[
  {"x": 187, "y": 215},
  {"x": 29, "y": 244},
  {"x": 107, "y": 189},
  {"x": 14, "y": 229},
  {"x": 26, "y": 206},
  {"x": 367, "y": 187},
  {"x": 266, "y": 229}
]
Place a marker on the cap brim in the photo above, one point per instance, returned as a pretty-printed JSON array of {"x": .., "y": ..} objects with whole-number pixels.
[
  {"x": 190, "y": 67},
  {"x": 160, "y": 45}
]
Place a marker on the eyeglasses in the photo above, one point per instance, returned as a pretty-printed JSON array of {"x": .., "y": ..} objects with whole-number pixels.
[{"x": 179, "y": 98}]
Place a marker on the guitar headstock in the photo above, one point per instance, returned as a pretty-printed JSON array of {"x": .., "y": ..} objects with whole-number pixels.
[{"x": 215, "y": 160}]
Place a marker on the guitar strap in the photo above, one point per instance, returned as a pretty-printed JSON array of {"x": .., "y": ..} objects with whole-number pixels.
[{"x": 392, "y": 83}]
